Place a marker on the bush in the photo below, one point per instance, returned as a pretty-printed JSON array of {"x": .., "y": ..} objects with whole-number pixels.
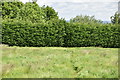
[{"x": 59, "y": 33}]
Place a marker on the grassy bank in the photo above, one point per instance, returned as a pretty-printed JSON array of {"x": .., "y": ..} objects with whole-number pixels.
[{"x": 58, "y": 62}]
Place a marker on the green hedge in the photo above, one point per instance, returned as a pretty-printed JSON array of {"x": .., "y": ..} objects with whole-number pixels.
[
  {"x": 59, "y": 33},
  {"x": 84, "y": 35},
  {"x": 21, "y": 33}
]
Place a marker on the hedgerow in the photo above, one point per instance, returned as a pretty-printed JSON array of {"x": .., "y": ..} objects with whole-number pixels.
[
  {"x": 59, "y": 33},
  {"x": 84, "y": 35},
  {"x": 21, "y": 33}
]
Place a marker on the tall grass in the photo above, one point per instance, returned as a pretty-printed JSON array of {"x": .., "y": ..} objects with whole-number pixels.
[{"x": 53, "y": 62}]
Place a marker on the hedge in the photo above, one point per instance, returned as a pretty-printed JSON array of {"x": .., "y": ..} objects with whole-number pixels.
[
  {"x": 21, "y": 33},
  {"x": 99, "y": 35},
  {"x": 59, "y": 33}
]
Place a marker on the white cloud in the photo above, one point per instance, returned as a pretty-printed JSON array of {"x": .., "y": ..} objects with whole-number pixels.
[
  {"x": 50, "y": 1},
  {"x": 47, "y": 1},
  {"x": 101, "y": 10}
]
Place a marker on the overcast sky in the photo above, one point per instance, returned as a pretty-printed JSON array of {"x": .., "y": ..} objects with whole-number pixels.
[{"x": 101, "y": 9}]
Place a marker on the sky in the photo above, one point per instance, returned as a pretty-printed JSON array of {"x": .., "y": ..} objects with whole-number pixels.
[{"x": 101, "y": 9}]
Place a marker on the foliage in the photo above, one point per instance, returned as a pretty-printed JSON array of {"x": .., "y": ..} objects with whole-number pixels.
[
  {"x": 85, "y": 19},
  {"x": 27, "y": 12},
  {"x": 88, "y": 35},
  {"x": 50, "y": 13},
  {"x": 21, "y": 33},
  {"x": 32, "y": 12},
  {"x": 116, "y": 18},
  {"x": 59, "y": 33},
  {"x": 10, "y": 9}
]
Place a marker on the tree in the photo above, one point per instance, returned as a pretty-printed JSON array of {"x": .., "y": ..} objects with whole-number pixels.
[
  {"x": 32, "y": 12},
  {"x": 50, "y": 13},
  {"x": 116, "y": 18},
  {"x": 85, "y": 19},
  {"x": 10, "y": 9}
]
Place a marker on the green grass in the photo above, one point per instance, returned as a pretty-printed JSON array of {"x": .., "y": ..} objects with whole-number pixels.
[{"x": 58, "y": 62}]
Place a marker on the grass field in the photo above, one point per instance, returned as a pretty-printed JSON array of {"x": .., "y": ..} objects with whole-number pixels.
[{"x": 59, "y": 62}]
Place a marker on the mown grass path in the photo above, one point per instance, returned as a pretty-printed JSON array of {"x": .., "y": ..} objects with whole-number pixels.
[{"x": 59, "y": 62}]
